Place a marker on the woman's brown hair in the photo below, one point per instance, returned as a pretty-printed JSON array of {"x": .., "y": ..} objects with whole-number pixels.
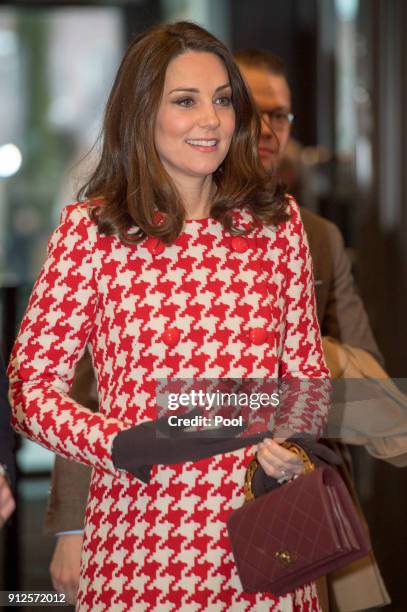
[{"x": 130, "y": 176}]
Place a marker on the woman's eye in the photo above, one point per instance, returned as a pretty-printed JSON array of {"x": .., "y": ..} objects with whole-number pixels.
[
  {"x": 224, "y": 101},
  {"x": 184, "y": 102}
]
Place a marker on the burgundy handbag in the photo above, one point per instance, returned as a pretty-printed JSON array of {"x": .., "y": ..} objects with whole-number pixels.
[{"x": 297, "y": 532}]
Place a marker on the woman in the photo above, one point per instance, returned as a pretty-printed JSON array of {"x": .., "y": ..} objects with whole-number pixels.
[{"x": 183, "y": 262}]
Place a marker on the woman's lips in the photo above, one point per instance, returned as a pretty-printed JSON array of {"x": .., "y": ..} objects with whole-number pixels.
[{"x": 203, "y": 144}]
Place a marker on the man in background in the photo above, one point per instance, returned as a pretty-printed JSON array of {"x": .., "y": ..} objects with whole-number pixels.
[{"x": 340, "y": 310}]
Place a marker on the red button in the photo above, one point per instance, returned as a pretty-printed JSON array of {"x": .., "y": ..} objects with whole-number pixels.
[
  {"x": 155, "y": 246},
  {"x": 239, "y": 244},
  {"x": 171, "y": 336},
  {"x": 158, "y": 217},
  {"x": 258, "y": 335}
]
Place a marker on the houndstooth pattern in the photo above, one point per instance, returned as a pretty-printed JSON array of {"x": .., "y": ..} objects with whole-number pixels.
[{"x": 161, "y": 546}]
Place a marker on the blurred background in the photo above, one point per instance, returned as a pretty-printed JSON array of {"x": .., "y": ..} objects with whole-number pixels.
[{"x": 347, "y": 65}]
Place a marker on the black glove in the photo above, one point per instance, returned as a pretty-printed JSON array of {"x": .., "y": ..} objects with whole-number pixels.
[
  {"x": 317, "y": 451},
  {"x": 155, "y": 442}
]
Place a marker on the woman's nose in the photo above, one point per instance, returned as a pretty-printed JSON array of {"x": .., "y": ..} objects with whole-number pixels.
[{"x": 209, "y": 116}]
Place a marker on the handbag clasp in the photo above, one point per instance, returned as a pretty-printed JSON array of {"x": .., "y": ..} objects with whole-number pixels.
[{"x": 285, "y": 557}]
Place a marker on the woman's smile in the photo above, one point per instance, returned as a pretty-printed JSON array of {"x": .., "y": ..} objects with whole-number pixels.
[{"x": 203, "y": 145}]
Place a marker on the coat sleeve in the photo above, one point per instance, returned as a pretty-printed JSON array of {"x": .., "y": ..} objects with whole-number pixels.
[
  {"x": 345, "y": 317},
  {"x": 305, "y": 387},
  {"x": 65, "y": 511},
  {"x": 52, "y": 337}
]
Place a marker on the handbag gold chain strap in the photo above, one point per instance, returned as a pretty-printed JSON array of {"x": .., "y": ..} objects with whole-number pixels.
[{"x": 254, "y": 464}]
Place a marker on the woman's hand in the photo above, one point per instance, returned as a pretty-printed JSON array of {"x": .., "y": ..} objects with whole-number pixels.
[{"x": 277, "y": 461}]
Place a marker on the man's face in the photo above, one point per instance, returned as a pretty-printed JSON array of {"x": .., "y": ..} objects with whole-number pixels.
[{"x": 273, "y": 100}]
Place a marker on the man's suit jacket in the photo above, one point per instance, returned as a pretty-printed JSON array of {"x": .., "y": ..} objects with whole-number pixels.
[
  {"x": 7, "y": 438},
  {"x": 341, "y": 315},
  {"x": 340, "y": 310}
]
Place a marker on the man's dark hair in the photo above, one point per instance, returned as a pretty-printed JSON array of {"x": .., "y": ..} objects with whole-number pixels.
[{"x": 261, "y": 58}]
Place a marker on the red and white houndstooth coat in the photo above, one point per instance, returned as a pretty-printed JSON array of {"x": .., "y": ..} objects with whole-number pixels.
[{"x": 162, "y": 546}]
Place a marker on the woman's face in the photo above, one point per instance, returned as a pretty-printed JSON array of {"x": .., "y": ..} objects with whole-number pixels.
[{"x": 195, "y": 119}]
